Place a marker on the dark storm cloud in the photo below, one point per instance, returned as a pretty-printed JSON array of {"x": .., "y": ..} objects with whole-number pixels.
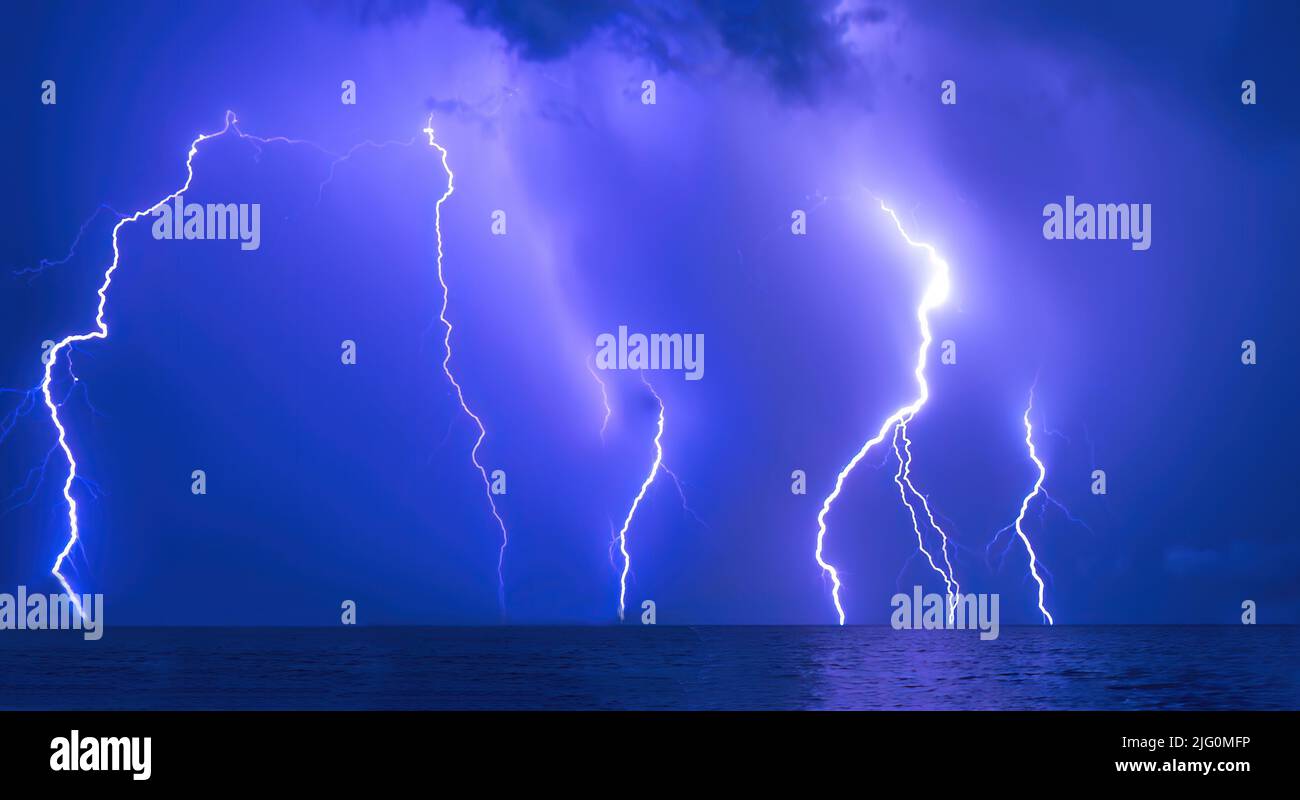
[
  {"x": 541, "y": 31},
  {"x": 796, "y": 45}
]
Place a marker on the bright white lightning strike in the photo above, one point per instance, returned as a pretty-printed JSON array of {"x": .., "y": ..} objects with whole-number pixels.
[
  {"x": 620, "y": 539},
  {"x": 636, "y": 502},
  {"x": 101, "y": 332},
  {"x": 1024, "y": 509},
  {"x": 935, "y": 294},
  {"x": 446, "y": 369}
]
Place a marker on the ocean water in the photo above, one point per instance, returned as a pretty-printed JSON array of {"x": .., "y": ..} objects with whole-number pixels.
[{"x": 661, "y": 667}]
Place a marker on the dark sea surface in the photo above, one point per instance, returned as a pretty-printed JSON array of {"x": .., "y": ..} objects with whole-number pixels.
[{"x": 661, "y": 667}]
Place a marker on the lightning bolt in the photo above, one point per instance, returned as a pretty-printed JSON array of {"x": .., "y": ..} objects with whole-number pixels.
[
  {"x": 604, "y": 425},
  {"x": 35, "y": 477},
  {"x": 1048, "y": 500},
  {"x": 1024, "y": 509},
  {"x": 451, "y": 378},
  {"x": 655, "y": 466},
  {"x": 935, "y": 293},
  {"x": 101, "y": 332},
  {"x": 903, "y": 480},
  {"x": 620, "y": 539}
]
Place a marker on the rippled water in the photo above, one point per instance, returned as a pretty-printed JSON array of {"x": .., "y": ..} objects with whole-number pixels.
[{"x": 1148, "y": 667}]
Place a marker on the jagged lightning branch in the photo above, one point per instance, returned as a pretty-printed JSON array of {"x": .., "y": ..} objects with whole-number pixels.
[
  {"x": 340, "y": 158},
  {"x": 1024, "y": 508},
  {"x": 35, "y": 477},
  {"x": 636, "y": 502},
  {"x": 26, "y": 402},
  {"x": 904, "y": 482},
  {"x": 954, "y": 588},
  {"x": 935, "y": 294},
  {"x": 620, "y": 538},
  {"x": 1048, "y": 500},
  {"x": 44, "y": 264},
  {"x": 681, "y": 495},
  {"x": 34, "y": 271},
  {"x": 446, "y": 369},
  {"x": 1064, "y": 509},
  {"x": 604, "y": 425},
  {"x": 1047, "y": 496},
  {"x": 604, "y": 399}
]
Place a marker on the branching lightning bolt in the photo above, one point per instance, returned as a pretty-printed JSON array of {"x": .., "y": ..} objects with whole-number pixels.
[
  {"x": 101, "y": 326},
  {"x": 1024, "y": 509},
  {"x": 620, "y": 539},
  {"x": 636, "y": 502},
  {"x": 935, "y": 294},
  {"x": 101, "y": 332},
  {"x": 25, "y": 492},
  {"x": 446, "y": 369},
  {"x": 604, "y": 425}
]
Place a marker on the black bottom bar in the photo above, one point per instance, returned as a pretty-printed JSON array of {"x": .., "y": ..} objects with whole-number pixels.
[{"x": 306, "y": 749}]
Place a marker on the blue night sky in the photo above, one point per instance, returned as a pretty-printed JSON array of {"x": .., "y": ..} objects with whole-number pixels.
[{"x": 329, "y": 482}]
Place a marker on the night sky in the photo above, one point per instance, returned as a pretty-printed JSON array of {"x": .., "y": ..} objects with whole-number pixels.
[{"x": 329, "y": 482}]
